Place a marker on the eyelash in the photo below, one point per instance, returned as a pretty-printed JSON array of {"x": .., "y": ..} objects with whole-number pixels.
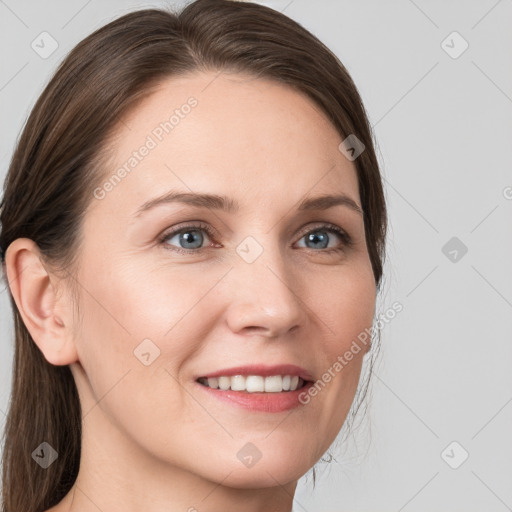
[{"x": 344, "y": 236}]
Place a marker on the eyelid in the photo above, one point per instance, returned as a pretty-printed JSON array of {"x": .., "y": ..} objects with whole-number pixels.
[
  {"x": 212, "y": 233},
  {"x": 328, "y": 226},
  {"x": 191, "y": 225}
]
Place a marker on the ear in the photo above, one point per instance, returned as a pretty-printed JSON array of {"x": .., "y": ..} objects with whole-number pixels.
[{"x": 47, "y": 319}]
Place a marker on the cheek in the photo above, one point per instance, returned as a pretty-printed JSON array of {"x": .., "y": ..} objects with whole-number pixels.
[
  {"x": 344, "y": 301},
  {"x": 137, "y": 302},
  {"x": 147, "y": 321},
  {"x": 173, "y": 309},
  {"x": 157, "y": 318},
  {"x": 345, "y": 306}
]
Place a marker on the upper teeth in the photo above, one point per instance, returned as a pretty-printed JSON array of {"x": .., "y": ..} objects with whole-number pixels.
[{"x": 254, "y": 383}]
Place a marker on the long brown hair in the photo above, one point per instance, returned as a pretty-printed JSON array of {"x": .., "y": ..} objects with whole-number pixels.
[{"x": 57, "y": 163}]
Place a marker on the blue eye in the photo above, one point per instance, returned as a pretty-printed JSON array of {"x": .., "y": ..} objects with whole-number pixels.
[
  {"x": 190, "y": 239},
  {"x": 319, "y": 238}
]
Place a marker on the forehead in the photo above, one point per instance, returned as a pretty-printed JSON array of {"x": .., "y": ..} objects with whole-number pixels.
[{"x": 228, "y": 133}]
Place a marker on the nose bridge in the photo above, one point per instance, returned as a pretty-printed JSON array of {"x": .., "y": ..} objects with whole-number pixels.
[{"x": 263, "y": 295}]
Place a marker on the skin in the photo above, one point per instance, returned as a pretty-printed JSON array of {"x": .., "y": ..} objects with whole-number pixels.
[{"x": 152, "y": 440}]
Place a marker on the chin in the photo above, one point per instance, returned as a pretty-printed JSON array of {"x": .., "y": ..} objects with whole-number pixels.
[
  {"x": 264, "y": 474},
  {"x": 264, "y": 463}
]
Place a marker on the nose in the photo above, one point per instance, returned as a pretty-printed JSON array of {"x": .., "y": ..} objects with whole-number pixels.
[{"x": 264, "y": 297}]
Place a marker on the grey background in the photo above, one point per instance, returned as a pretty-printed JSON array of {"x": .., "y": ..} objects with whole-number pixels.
[{"x": 444, "y": 128}]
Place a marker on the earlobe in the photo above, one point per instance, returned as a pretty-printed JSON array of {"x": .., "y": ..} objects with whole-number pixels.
[{"x": 33, "y": 290}]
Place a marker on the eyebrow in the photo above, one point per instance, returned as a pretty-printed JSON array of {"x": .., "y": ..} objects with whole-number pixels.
[{"x": 216, "y": 202}]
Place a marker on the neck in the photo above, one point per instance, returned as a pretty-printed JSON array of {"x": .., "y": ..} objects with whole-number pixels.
[{"x": 117, "y": 475}]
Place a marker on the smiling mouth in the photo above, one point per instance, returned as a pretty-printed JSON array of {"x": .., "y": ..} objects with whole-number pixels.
[{"x": 254, "y": 383}]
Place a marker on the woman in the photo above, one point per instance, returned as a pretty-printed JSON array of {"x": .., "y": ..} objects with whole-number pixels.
[{"x": 193, "y": 230}]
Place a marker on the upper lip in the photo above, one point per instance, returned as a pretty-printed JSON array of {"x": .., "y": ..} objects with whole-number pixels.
[{"x": 263, "y": 370}]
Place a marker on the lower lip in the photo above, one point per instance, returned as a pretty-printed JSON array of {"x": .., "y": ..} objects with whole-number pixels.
[{"x": 261, "y": 402}]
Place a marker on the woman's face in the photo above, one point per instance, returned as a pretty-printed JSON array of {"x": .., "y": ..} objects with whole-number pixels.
[{"x": 179, "y": 290}]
